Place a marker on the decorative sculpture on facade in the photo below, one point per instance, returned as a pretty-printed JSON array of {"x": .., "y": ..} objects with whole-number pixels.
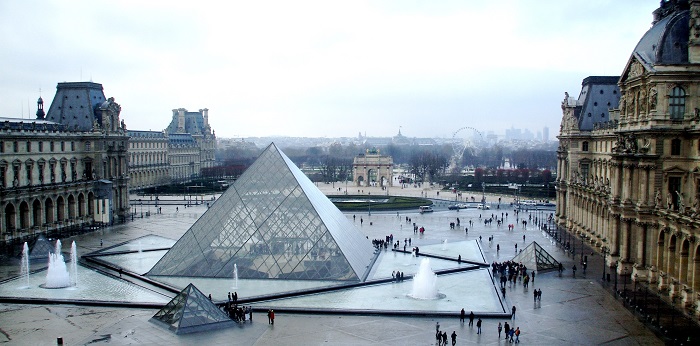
[
  {"x": 657, "y": 199},
  {"x": 681, "y": 204}
]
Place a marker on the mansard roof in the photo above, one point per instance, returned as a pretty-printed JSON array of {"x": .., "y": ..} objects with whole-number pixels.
[{"x": 75, "y": 103}]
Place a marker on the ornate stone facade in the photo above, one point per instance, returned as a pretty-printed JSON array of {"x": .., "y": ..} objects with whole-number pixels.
[
  {"x": 55, "y": 171},
  {"x": 630, "y": 185}
]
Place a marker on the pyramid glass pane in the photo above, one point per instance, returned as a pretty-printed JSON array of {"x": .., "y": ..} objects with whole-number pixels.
[
  {"x": 190, "y": 310},
  {"x": 272, "y": 223},
  {"x": 534, "y": 256}
]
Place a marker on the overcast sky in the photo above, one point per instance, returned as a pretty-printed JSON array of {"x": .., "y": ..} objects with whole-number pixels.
[{"x": 320, "y": 68}]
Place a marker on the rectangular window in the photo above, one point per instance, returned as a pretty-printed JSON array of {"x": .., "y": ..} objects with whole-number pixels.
[
  {"x": 51, "y": 146},
  {"x": 674, "y": 186},
  {"x": 87, "y": 146},
  {"x": 72, "y": 146},
  {"x": 2, "y": 147},
  {"x": 41, "y": 147},
  {"x": 15, "y": 146},
  {"x": 63, "y": 146},
  {"x": 584, "y": 172},
  {"x": 29, "y": 146},
  {"x": 675, "y": 146}
]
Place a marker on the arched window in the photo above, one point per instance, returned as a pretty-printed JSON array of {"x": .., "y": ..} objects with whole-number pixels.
[{"x": 676, "y": 103}]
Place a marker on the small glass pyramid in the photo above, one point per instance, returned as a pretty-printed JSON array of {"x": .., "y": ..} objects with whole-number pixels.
[
  {"x": 272, "y": 223},
  {"x": 41, "y": 249},
  {"x": 191, "y": 311},
  {"x": 534, "y": 256}
]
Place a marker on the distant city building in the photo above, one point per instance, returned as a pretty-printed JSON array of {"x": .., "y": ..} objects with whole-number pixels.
[
  {"x": 372, "y": 169},
  {"x": 545, "y": 134},
  {"x": 66, "y": 168},
  {"x": 628, "y": 177}
]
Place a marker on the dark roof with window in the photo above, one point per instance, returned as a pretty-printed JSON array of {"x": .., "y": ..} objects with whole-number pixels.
[
  {"x": 74, "y": 104},
  {"x": 598, "y": 95}
]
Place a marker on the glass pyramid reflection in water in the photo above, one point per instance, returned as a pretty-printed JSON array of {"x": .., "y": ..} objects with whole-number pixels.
[
  {"x": 272, "y": 223},
  {"x": 535, "y": 257},
  {"x": 191, "y": 311}
]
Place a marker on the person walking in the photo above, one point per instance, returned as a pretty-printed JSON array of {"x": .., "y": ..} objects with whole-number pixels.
[
  {"x": 478, "y": 326},
  {"x": 454, "y": 338},
  {"x": 461, "y": 315},
  {"x": 444, "y": 338},
  {"x": 471, "y": 318},
  {"x": 506, "y": 329},
  {"x": 517, "y": 335},
  {"x": 500, "y": 327},
  {"x": 574, "y": 269},
  {"x": 513, "y": 314},
  {"x": 511, "y": 334},
  {"x": 534, "y": 294},
  {"x": 533, "y": 277}
]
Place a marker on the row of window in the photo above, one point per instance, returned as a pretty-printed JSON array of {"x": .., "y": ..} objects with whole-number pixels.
[
  {"x": 676, "y": 145},
  {"x": 28, "y": 146},
  {"x": 149, "y": 145}
]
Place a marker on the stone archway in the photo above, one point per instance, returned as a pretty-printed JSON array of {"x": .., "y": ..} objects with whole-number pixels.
[
  {"x": 81, "y": 205},
  {"x": 671, "y": 262},
  {"x": 91, "y": 204},
  {"x": 660, "y": 249},
  {"x": 24, "y": 215},
  {"x": 10, "y": 217},
  {"x": 60, "y": 209},
  {"x": 36, "y": 213},
  {"x": 683, "y": 261},
  {"x": 71, "y": 206},
  {"x": 49, "y": 211}
]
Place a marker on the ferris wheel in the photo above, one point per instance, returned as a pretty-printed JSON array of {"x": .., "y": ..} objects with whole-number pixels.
[{"x": 466, "y": 139}]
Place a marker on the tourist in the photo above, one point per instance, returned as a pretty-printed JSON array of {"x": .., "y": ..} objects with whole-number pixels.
[
  {"x": 500, "y": 327},
  {"x": 269, "y": 316},
  {"x": 511, "y": 334},
  {"x": 513, "y": 310},
  {"x": 454, "y": 338},
  {"x": 517, "y": 335},
  {"x": 539, "y": 294},
  {"x": 534, "y": 293},
  {"x": 438, "y": 337},
  {"x": 506, "y": 328},
  {"x": 574, "y": 269},
  {"x": 533, "y": 276},
  {"x": 272, "y": 317},
  {"x": 461, "y": 315},
  {"x": 471, "y": 318},
  {"x": 250, "y": 314},
  {"x": 444, "y": 338},
  {"x": 478, "y": 326}
]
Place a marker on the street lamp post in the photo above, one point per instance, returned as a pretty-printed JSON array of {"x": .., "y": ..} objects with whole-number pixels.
[
  {"x": 605, "y": 252},
  {"x": 483, "y": 194},
  {"x": 369, "y": 204}
]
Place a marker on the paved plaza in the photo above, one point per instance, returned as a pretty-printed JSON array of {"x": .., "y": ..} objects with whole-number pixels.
[{"x": 572, "y": 310}]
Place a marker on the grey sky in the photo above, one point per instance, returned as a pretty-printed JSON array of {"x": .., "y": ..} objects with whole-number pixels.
[{"x": 320, "y": 68}]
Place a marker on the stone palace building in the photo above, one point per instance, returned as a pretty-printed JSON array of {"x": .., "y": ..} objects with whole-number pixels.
[
  {"x": 629, "y": 158},
  {"x": 74, "y": 165}
]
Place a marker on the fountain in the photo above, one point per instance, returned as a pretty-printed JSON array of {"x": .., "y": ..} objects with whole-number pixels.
[
  {"x": 444, "y": 245},
  {"x": 235, "y": 276},
  {"x": 425, "y": 282},
  {"x": 24, "y": 269},
  {"x": 73, "y": 264},
  {"x": 57, "y": 274}
]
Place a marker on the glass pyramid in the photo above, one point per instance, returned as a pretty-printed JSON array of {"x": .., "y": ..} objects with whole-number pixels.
[
  {"x": 41, "y": 249},
  {"x": 190, "y": 311},
  {"x": 272, "y": 223},
  {"x": 534, "y": 256}
]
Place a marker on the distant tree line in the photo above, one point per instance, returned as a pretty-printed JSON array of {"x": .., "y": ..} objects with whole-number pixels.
[{"x": 428, "y": 163}]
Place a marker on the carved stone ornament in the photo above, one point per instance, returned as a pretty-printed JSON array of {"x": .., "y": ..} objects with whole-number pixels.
[
  {"x": 653, "y": 99},
  {"x": 636, "y": 70},
  {"x": 657, "y": 199}
]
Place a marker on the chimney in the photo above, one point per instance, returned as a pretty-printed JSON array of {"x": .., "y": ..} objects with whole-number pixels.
[{"x": 181, "y": 120}]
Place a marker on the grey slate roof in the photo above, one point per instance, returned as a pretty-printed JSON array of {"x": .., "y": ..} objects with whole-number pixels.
[
  {"x": 666, "y": 43},
  {"x": 598, "y": 95},
  {"x": 74, "y": 104}
]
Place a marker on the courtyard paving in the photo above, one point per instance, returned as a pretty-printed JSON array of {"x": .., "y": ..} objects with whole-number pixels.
[{"x": 573, "y": 311}]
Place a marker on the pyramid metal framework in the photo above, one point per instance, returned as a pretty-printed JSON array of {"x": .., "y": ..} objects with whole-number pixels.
[
  {"x": 534, "y": 256},
  {"x": 190, "y": 311},
  {"x": 41, "y": 249},
  {"x": 272, "y": 223}
]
